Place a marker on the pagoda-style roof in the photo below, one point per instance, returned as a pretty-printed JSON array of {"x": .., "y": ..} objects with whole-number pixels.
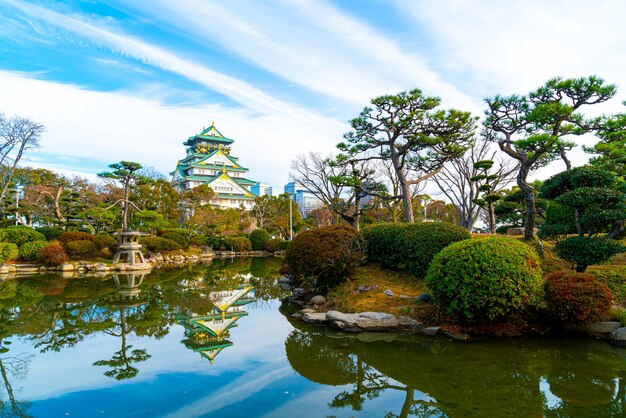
[{"x": 208, "y": 135}]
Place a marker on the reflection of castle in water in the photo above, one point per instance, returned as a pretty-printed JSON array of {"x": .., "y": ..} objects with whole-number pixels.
[{"x": 207, "y": 333}]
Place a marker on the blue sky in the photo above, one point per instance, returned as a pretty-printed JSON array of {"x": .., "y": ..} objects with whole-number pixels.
[{"x": 132, "y": 80}]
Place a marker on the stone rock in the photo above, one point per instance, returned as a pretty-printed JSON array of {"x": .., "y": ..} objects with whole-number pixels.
[
  {"x": 307, "y": 310},
  {"x": 406, "y": 323},
  {"x": 362, "y": 289},
  {"x": 430, "y": 331},
  {"x": 377, "y": 321},
  {"x": 42, "y": 269},
  {"x": 337, "y": 316},
  {"x": 4, "y": 269},
  {"x": 66, "y": 267},
  {"x": 519, "y": 231},
  {"x": 11, "y": 268},
  {"x": 296, "y": 315},
  {"x": 600, "y": 329},
  {"x": 318, "y": 300},
  {"x": 101, "y": 267},
  {"x": 456, "y": 337},
  {"x": 314, "y": 318},
  {"x": 284, "y": 279},
  {"x": 388, "y": 292},
  {"x": 618, "y": 337}
]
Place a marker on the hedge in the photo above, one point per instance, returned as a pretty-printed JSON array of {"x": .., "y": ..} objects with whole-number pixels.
[
  {"x": 20, "y": 235},
  {"x": 258, "y": 238},
  {"x": 53, "y": 254},
  {"x": 8, "y": 251},
  {"x": 81, "y": 249},
  {"x": 155, "y": 244},
  {"x": 410, "y": 247},
  {"x": 29, "y": 251}
]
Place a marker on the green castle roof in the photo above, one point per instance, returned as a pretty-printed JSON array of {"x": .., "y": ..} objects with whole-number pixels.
[{"x": 210, "y": 134}]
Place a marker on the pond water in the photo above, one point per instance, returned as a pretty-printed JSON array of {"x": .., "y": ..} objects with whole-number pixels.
[{"x": 215, "y": 340}]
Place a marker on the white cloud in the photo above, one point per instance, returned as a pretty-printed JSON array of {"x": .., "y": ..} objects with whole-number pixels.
[
  {"x": 313, "y": 44},
  {"x": 108, "y": 127}
]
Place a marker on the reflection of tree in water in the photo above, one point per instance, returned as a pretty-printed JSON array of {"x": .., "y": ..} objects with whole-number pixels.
[
  {"x": 11, "y": 367},
  {"x": 129, "y": 302},
  {"x": 489, "y": 378}
]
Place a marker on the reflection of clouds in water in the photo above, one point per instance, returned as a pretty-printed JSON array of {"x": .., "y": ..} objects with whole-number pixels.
[
  {"x": 237, "y": 390},
  {"x": 552, "y": 401},
  {"x": 253, "y": 344}
]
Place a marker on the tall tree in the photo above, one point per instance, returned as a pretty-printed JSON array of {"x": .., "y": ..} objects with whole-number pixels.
[
  {"x": 532, "y": 128},
  {"x": 611, "y": 149},
  {"x": 408, "y": 130},
  {"x": 17, "y": 135},
  {"x": 124, "y": 173},
  {"x": 457, "y": 180}
]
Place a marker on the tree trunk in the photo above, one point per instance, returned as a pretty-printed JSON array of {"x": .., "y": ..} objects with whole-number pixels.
[
  {"x": 492, "y": 218},
  {"x": 529, "y": 196},
  {"x": 406, "y": 199}
]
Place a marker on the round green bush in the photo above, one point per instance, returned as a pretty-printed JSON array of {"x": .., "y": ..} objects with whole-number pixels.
[
  {"x": 577, "y": 297},
  {"x": 410, "y": 247},
  {"x": 49, "y": 232},
  {"x": 8, "y": 251},
  {"x": 180, "y": 238},
  {"x": 109, "y": 241},
  {"x": 198, "y": 240},
  {"x": 326, "y": 256},
  {"x": 156, "y": 244},
  {"x": 53, "y": 254},
  {"x": 69, "y": 236},
  {"x": 81, "y": 249},
  {"x": 258, "y": 238},
  {"x": 274, "y": 244},
  {"x": 29, "y": 251},
  {"x": 484, "y": 279},
  {"x": 20, "y": 234},
  {"x": 240, "y": 244},
  {"x": 582, "y": 252}
]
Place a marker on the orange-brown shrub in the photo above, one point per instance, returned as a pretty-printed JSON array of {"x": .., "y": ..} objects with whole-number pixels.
[
  {"x": 577, "y": 297},
  {"x": 53, "y": 254}
]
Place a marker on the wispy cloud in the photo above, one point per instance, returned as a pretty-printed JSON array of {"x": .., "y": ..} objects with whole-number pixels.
[{"x": 314, "y": 44}]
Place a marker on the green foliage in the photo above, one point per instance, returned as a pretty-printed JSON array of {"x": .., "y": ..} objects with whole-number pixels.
[
  {"x": 614, "y": 277},
  {"x": 107, "y": 240},
  {"x": 577, "y": 297},
  {"x": 8, "y": 251},
  {"x": 177, "y": 237},
  {"x": 582, "y": 252},
  {"x": 503, "y": 228},
  {"x": 275, "y": 244},
  {"x": 554, "y": 233},
  {"x": 69, "y": 236},
  {"x": 326, "y": 256},
  {"x": 240, "y": 244},
  {"x": 53, "y": 254},
  {"x": 611, "y": 149},
  {"x": 49, "y": 232},
  {"x": 29, "y": 251},
  {"x": 259, "y": 237},
  {"x": 577, "y": 177},
  {"x": 156, "y": 244},
  {"x": 81, "y": 249},
  {"x": 20, "y": 235},
  {"x": 198, "y": 241},
  {"x": 410, "y": 247},
  {"x": 484, "y": 279}
]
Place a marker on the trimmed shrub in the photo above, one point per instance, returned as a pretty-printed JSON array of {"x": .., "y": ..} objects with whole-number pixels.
[
  {"x": 240, "y": 244},
  {"x": 108, "y": 241},
  {"x": 49, "y": 232},
  {"x": 69, "y": 236},
  {"x": 155, "y": 244},
  {"x": 326, "y": 256},
  {"x": 8, "y": 251},
  {"x": 198, "y": 241},
  {"x": 258, "y": 238},
  {"x": 484, "y": 279},
  {"x": 275, "y": 244},
  {"x": 582, "y": 252},
  {"x": 82, "y": 248},
  {"x": 577, "y": 297},
  {"x": 18, "y": 235},
  {"x": 53, "y": 254},
  {"x": 177, "y": 237},
  {"x": 29, "y": 251},
  {"x": 410, "y": 247}
]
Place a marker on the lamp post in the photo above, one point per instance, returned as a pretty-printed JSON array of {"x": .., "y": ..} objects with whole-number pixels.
[{"x": 290, "y": 218}]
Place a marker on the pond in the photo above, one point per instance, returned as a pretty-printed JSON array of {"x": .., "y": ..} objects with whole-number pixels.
[{"x": 215, "y": 340}]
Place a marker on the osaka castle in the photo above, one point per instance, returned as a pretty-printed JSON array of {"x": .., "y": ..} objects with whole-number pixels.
[{"x": 209, "y": 162}]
